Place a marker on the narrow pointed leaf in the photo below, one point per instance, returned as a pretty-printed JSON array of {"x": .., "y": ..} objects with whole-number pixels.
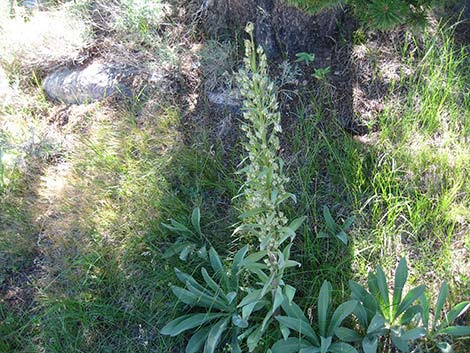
[
  {"x": 196, "y": 220},
  {"x": 401, "y": 275},
  {"x": 290, "y": 345},
  {"x": 214, "y": 335},
  {"x": 342, "y": 312},
  {"x": 441, "y": 299},
  {"x": 323, "y": 304},
  {"x": 457, "y": 331},
  {"x": 347, "y": 335},
  {"x": 342, "y": 347},
  {"x": 299, "y": 326},
  {"x": 187, "y": 322},
  {"x": 197, "y": 340},
  {"x": 410, "y": 298}
]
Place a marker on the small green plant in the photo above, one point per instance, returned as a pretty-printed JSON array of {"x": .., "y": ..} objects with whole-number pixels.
[
  {"x": 304, "y": 57},
  {"x": 333, "y": 229},
  {"x": 329, "y": 322},
  {"x": 382, "y": 315},
  {"x": 321, "y": 73},
  {"x": 189, "y": 241},
  {"x": 220, "y": 322},
  {"x": 441, "y": 324}
]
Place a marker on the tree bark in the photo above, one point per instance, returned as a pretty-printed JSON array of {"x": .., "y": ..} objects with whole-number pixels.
[{"x": 279, "y": 28}]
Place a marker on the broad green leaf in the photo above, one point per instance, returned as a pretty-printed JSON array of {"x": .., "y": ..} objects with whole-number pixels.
[
  {"x": 253, "y": 339},
  {"x": 251, "y": 297},
  {"x": 239, "y": 257},
  {"x": 325, "y": 344},
  {"x": 293, "y": 310},
  {"x": 360, "y": 294},
  {"x": 197, "y": 340},
  {"x": 208, "y": 300},
  {"x": 299, "y": 326},
  {"x": 401, "y": 275},
  {"x": 278, "y": 299},
  {"x": 383, "y": 288},
  {"x": 457, "y": 311},
  {"x": 348, "y": 223},
  {"x": 369, "y": 344},
  {"x": 210, "y": 282},
  {"x": 214, "y": 335},
  {"x": 184, "y": 295},
  {"x": 185, "y": 278},
  {"x": 255, "y": 257},
  {"x": 424, "y": 300},
  {"x": 347, "y": 335},
  {"x": 238, "y": 321},
  {"x": 410, "y": 298},
  {"x": 411, "y": 313},
  {"x": 289, "y": 293},
  {"x": 267, "y": 285},
  {"x": 310, "y": 349},
  {"x": 361, "y": 314},
  {"x": 248, "y": 309},
  {"x": 175, "y": 249},
  {"x": 376, "y": 324},
  {"x": 231, "y": 296},
  {"x": 441, "y": 300},
  {"x": 235, "y": 343},
  {"x": 187, "y": 322},
  {"x": 342, "y": 347},
  {"x": 398, "y": 341},
  {"x": 186, "y": 251},
  {"x": 343, "y": 311},
  {"x": 413, "y": 334},
  {"x": 323, "y": 306},
  {"x": 374, "y": 289},
  {"x": 330, "y": 222},
  {"x": 251, "y": 213},
  {"x": 445, "y": 347},
  {"x": 290, "y": 345},
  {"x": 457, "y": 331},
  {"x": 177, "y": 227},
  {"x": 196, "y": 220},
  {"x": 343, "y": 237},
  {"x": 296, "y": 223},
  {"x": 217, "y": 266}
]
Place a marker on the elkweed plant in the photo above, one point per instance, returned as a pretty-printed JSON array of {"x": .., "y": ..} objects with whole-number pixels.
[
  {"x": 233, "y": 306},
  {"x": 264, "y": 188},
  {"x": 442, "y": 323}
]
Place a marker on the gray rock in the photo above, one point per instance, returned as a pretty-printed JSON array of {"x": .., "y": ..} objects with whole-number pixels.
[{"x": 90, "y": 84}]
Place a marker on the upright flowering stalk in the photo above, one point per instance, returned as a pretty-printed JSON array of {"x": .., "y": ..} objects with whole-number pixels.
[{"x": 264, "y": 187}]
